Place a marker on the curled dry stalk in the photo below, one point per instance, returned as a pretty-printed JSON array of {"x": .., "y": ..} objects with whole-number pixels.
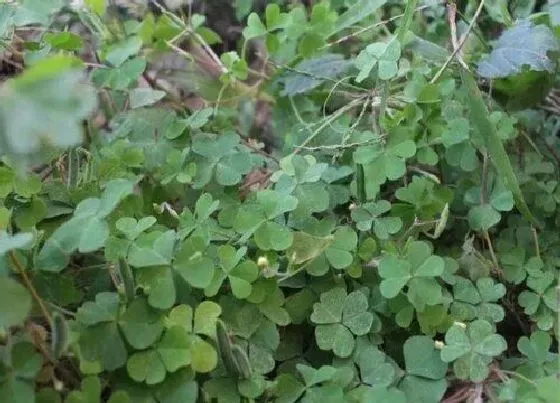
[{"x": 460, "y": 45}]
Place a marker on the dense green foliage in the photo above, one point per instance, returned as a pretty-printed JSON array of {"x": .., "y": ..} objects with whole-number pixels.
[{"x": 346, "y": 201}]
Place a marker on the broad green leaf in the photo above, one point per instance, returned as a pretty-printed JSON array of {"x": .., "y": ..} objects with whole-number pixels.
[
  {"x": 146, "y": 366},
  {"x": 357, "y": 12},
  {"x": 395, "y": 273},
  {"x": 205, "y": 318},
  {"x": 203, "y": 356},
  {"x": 255, "y": 27},
  {"x": 523, "y": 45},
  {"x": 355, "y": 315},
  {"x": 15, "y": 303},
  {"x": 422, "y": 359},
  {"x": 329, "y": 310},
  {"x": 103, "y": 343},
  {"x": 104, "y": 309},
  {"x": 174, "y": 348},
  {"x": 335, "y": 337},
  {"x": 141, "y": 325},
  {"x": 311, "y": 73},
  {"x": 159, "y": 253},
  {"x": 483, "y": 217},
  {"x": 141, "y": 97}
]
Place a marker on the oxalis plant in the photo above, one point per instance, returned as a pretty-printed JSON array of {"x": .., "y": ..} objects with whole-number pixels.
[{"x": 344, "y": 201}]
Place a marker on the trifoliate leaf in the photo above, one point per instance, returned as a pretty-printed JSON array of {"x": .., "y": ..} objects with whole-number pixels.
[
  {"x": 383, "y": 55},
  {"x": 141, "y": 324}
]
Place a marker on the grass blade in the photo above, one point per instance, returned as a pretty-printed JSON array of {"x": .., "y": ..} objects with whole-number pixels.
[{"x": 480, "y": 119}]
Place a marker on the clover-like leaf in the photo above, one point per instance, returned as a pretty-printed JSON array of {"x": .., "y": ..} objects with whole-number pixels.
[
  {"x": 355, "y": 315},
  {"x": 422, "y": 359},
  {"x": 383, "y": 55},
  {"x": 368, "y": 217},
  {"x": 141, "y": 325},
  {"x": 86, "y": 231},
  {"x": 395, "y": 273},
  {"x": 338, "y": 317},
  {"x": 158, "y": 253},
  {"x": 471, "y": 350},
  {"x": 192, "y": 263},
  {"x": 339, "y": 252}
]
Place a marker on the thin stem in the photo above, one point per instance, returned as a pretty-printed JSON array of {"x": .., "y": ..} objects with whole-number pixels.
[
  {"x": 370, "y": 27},
  {"x": 461, "y": 44},
  {"x": 493, "y": 254},
  {"x": 536, "y": 240},
  {"x": 22, "y": 271},
  {"x": 451, "y": 16},
  {"x": 327, "y": 122},
  {"x": 484, "y": 179},
  {"x": 519, "y": 376}
]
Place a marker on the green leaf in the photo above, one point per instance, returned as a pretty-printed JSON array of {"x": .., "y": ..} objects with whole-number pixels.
[
  {"x": 254, "y": 28},
  {"x": 374, "y": 370},
  {"x": 118, "y": 53},
  {"x": 198, "y": 270},
  {"x": 103, "y": 343},
  {"x": 306, "y": 247},
  {"x": 395, "y": 273},
  {"x": 45, "y": 107},
  {"x": 480, "y": 120},
  {"x": 472, "y": 350},
  {"x": 483, "y": 217},
  {"x": 422, "y": 359},
  {"x": 536, "y": 348},
  {"x": 203, "y": 356},
  {"x": 273, "y": 236},
  {"x": 10, "y": 242},
  {"x": 64, "y": 40},
  {"x": 335, "y": 337},
  {"x": 339, "y": 253},
  {"x": 141, "y": 325},
  {"x": 174, "y": 348},
  {"x": 311, "y": 73},
  {"x": 146, "y": 366},
  {"x": 140, "y": 97},
  {"x": 355, "y": 315},
  {"x": 423, "y": 390},
  {"x": 104, "y": 309},
  {"x": 357, "y": 12},
  {"x": 159, "y": 253},
  {"x": 97, "y": 6},
  {"x": 329, "y": 310},
  {"x": 205, "y": 318},
  {"x": 383, "y": 55},
  {"x": 525, "y": 44}
]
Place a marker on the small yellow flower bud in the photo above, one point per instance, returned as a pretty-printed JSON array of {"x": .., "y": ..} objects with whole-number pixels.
[
  {"x": 58, "y": 385},
  {"x": 439, "y": 344},
  {"x": 262, "y": 262}
]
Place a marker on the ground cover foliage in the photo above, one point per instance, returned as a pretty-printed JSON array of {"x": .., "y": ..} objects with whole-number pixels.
[{"x": 344, "y": 201}]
